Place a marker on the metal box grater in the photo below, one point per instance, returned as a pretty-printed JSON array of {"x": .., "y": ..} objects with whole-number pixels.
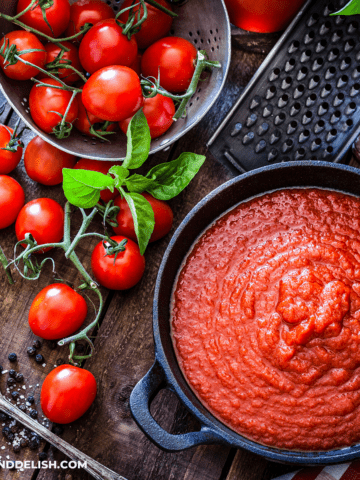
[{"x": 304, "y": 101}]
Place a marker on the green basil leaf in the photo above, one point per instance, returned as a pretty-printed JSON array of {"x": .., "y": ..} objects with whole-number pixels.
[
  {"x": 143, "y": 217},
  {"x": 352, "y": 8},
  {"x": 138, "y": 183},
  {"x": 120, "y": 174},
  {"x": 82, "y": 187},
  {"x": 138, "y": 141},
  {"x": 172, "y": 177}
]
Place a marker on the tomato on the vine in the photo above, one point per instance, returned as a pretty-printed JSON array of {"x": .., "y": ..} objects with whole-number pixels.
[
  {"x": 105, "y": 45},
  {"x": 44, "y": 162},
  {"x": 66, "y": 394},
  {"x": 162, "y": 213},
  {"x": 44, "y": 219},
  {"x": 65, "y": 74},
  {"x": 156, "y": 26},
  {"x": 57, "y": 312},
  {"x": 113, "y": 93},
  {"x": 136, "y": 65},
  {"x": 8, "y": 160},
  {"x": 23, "y": 41},
  {"x": 57, "y": 16},
  {"x": 102, "y": 167},
  {"x": 174, "y": 59},
  {"x": 159, "y": 112},
  {"x": 85, "y": 120},
  {"x": 119, "y": 271},
  {"x": 12, "y": 199},
  {"x": 87, "y": 11},
  {"x": 45, "y": 101}
]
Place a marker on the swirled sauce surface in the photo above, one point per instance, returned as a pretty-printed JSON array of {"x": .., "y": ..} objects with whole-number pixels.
[{"x": 266, "y": 319}]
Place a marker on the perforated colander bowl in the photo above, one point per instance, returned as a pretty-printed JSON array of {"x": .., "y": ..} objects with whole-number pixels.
[{"x": 203, "y": 22}]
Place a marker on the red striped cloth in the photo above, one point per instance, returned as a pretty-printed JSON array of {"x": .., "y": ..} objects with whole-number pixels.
[{"x": 345, "y": 471}]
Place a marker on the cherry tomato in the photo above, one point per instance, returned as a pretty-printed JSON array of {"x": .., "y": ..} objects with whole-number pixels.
[
  {"x": 87, "y": 11},
  {"x": 162, "y": 213},
  {"x": 104, "y": 45},
  {"x": 113, "y": 93},
  {"x": 156, "y": 26},
  {"x": 44, "y": 162},
  {"x": 65, "y": 74},
  {"x": 175, "y": 58},
  {"x": 159, "y": 112},
  {"x": 122, "y": 273},
  {"x": 8, "y": 160},
  {"x": 136, "y": 65},
  {"x": 12, "y": 199},
  {"x": 102, "y": 167},
  {"x": 66, "y": 394},
  {"x": 85, "y": 120},
  {"x": 44, "y": 219},
  {"x": 57, "y": 16},
  {"x": 23, "y": 41},
  {"x": 57, "y": 312},
  {"x": 44, "y": 101}
]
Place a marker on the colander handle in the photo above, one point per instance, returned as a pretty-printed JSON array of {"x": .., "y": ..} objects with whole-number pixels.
[{"x": 140, "y": 400}]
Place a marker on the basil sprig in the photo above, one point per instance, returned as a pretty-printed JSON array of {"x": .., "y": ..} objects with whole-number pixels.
[
  {"x": 82, "y": 187},
  {"x": 351, "y": 8}
]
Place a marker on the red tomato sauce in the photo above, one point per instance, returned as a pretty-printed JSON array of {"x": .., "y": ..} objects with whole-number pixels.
[{"x": 266, "y": 319}]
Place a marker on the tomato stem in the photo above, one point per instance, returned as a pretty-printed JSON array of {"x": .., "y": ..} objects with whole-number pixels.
[
  {"x": 6, "y": 265},
  {"x": 14, "y": 142},
  {"x": 87, "y": 219},
  {"x": 63, "y": 129},
  {"x": 29, "y": 7},
  {"x": 162, "y": 8}
]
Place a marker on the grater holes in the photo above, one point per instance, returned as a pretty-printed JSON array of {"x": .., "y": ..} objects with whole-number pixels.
[
  {"x": 309, "y": 37},
  {"x": 354, "y": 89},
  {"x": 190, "y": 34},
  {"x": 283, "y": 100},
  {"x": 279, "y": 119},
  {"x": 330, "y": 73},
  {"x": 349, "y": 45},
  {"x": 349, "y": 123},
  {"x": 314, "y": 82},
  {"x": 328, "y": 9},
  {"x": 295, "y": 109},
  {"x": 353, "y": 26},
  {"x": 304, "y": 136},
  {"x": 311, "y": 100},
  {"x": 326, "y": 90},
  {"x": 300, "y": 153},
  {"x": 335, "y": 117},
  {"x": 212, "y": 49},
  {"x": 287, "y": 145},
  {"x": 307, "y": 117},
  {"x": 316, "y": 144},
  {"x": 318, "y": 63},
  {"x": 350, "y": 109},
  {"x": 325, "y": 28},
  {"x": 294, "y": 46},
  {"x": 333, "y": 54},
  {"x": 343, "y": 80},
  {"x": 339, "y": 19},
  {"x": 356, "y": 72},
  {"x": 319, "y": 127},
  {"x": 305, "y": 56},
  {"x": 323, "y": 108},
  {"x": 291, "y": 128},
  {"x": 302, "y": 73},
  {"x": 237, "y": 129},
  {"x": 321, "y": 45},
  {"x": 299, "y": 91},
  {"x": 336, "y": 36},
  {"x": 329, "y": 149},
  {"x": 345, "y": 63},
  {"x": 274, "y": 74},
  {"x": 286, "y": 83},
  {"x": 290, "y": 64},
  {"x": 313, "y": 19},
  {"x": 330, "y": 137}
]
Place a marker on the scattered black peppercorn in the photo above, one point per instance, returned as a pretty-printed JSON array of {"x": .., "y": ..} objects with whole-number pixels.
[
  {"x": 12, "y": 373},
  {"x": 6, "y": 431},
  {"x": 43, "y": 456},
  {"x": 19, "y": 377},
  {"x": 31, "y": 399},
  {"x": 52, "y": 345},
  {"x": 33, "y": 413},
  {"x": 3, "y": 417},
  {"x": 58, "y": 429},
  {"x": 37, "y": 344},
  {"x": 11, "y": 381},
  {"x": 10, "y": 437},
  {"x": 14, "y": 428},
  {"x": 31, "y": 351},
  {"x": 34, "y": 443},
  {"x": 16, "y": 448},
  {"x": 15, "y": 395},
  {"x": 12, "y": 357},
  {"x": 24, "y": 442},
  {"x": 39, "y": 358}
]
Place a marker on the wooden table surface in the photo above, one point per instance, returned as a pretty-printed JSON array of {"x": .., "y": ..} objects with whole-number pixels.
[{"x": 123, "y": 342}]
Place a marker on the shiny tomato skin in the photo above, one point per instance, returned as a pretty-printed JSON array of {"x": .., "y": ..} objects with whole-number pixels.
[
  {"x": 156, "y": 26},
  {"x": 44, "y": 162},
  {"x": 86, "y": 119},
  {"x": 43, "y": 101},
  {"x": 8, "y": 160},
  {"x": 56, "y": 312},
  {"x": 113, "y": 93},
  {"x": 159, "y": 112},
  {"x": 23, "y": 41},
  {"x": 87, "y": 11},
  {"x": 102, "y": 167},
  {"x": 105, "y": 45},
  {"x": 12, "y": 199},
  {"x": 57, "y": 15},
  {"x": 136, "y": 65},
  {"x": 122, "y": 274},
  {"x": 162, "y": 213},
  {"x": 67, "y": 393},
  {"x": 44, "y": 219},
  {"x": 175, "y": 58},
  {"x": 65, "y": 74}
]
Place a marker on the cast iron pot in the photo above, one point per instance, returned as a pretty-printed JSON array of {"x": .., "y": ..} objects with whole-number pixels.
[{"x": 165, "y": 373}]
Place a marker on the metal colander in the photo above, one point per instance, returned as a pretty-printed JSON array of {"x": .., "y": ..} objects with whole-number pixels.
[{"x": 203, "y": 22}]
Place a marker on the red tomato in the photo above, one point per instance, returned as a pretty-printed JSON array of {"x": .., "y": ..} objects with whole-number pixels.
[
  {"x": 136, "y": 65},
  {"x": 87, "y": 11},
  {"x": 44, "y": 219},
  {"x": 57, "y": 312},
  {"x": 122, "y": 273},
  {"x": 57, "y": 16},
  {"x": 104, "y": 45},
  {"x": 65, "y": 74},
  {"x": 113, "y": 93},
  {"x": 8, "y": 160},
  {"x": 102, "y": 167},
  {"x": 262, "y": 15},
  {"x": 66, "y": 394},
  {"x": 23, "y": 41},
  {"x": 175, "y": 58},
  {"x": 43, "y": 101},
  {"x": 12, "y": 199},
  {"x": 44, "y": 162},
  {"x": 162, "y": 213},
  {"x": 85, "y": 120},
  {"x": 156, "y": 26},
  {"x": 159, "y": 112}
]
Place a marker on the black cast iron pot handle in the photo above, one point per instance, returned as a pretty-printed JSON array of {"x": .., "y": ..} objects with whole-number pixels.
[{"x": 140, "y": 399}]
